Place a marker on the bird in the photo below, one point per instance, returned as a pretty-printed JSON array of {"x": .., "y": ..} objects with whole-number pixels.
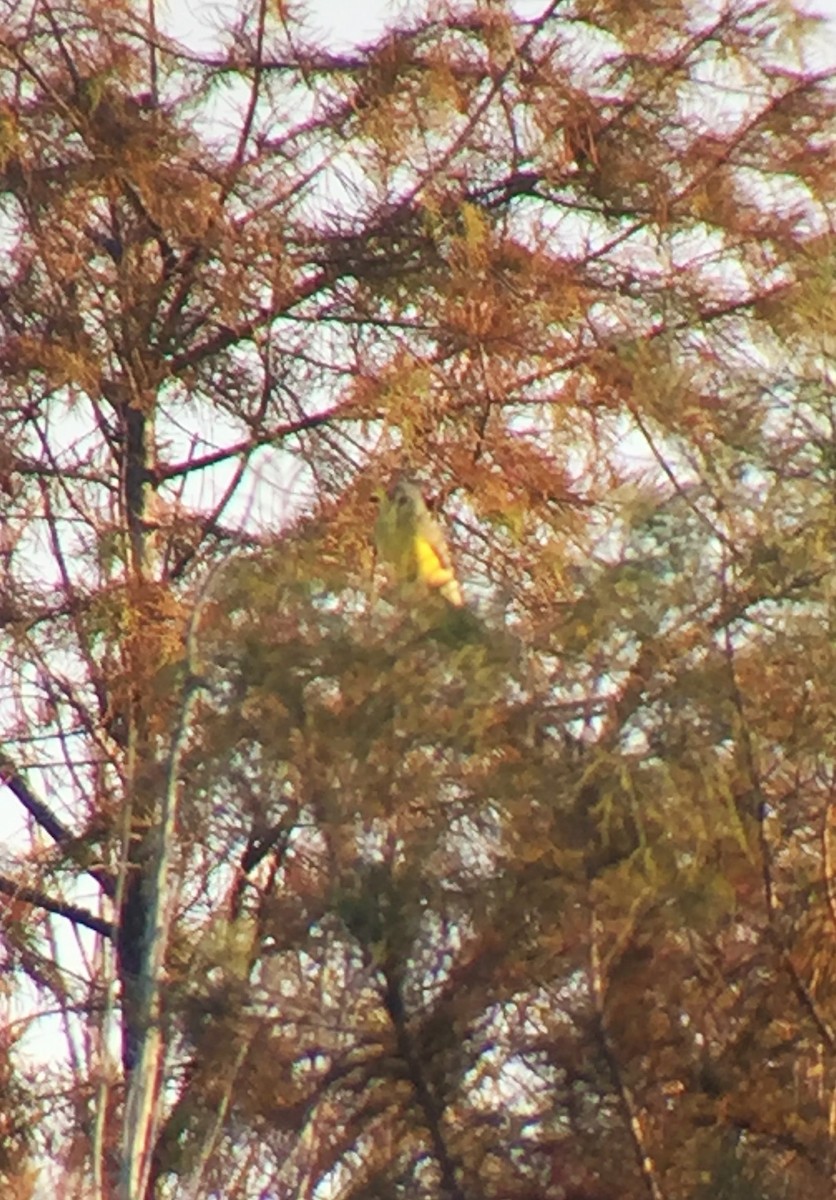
[{"x": 412, "y": 544}]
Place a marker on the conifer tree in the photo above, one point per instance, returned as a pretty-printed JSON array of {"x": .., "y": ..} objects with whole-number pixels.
[{"x": 315, "y": 887}]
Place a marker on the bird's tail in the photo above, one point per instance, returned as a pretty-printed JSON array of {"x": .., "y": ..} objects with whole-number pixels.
[{"x": 451, "y": 591}]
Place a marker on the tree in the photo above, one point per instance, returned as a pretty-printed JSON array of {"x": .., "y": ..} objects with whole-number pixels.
[{"x": 379, "y": 898}]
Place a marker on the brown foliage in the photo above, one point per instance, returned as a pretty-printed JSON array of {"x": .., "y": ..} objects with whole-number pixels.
[{"x": 532, "y": 899}]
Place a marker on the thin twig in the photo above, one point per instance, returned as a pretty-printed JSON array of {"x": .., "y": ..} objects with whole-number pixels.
[
  {"x": 802, "y": 991},
  {"x": 647, "y": 1166},
  {"x": 827, "y": 857}
]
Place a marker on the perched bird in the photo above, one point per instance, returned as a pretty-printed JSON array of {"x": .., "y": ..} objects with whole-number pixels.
[{"x": 410, "y": 541}]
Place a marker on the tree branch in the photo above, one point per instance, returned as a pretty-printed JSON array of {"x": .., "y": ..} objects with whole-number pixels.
[
  {"x": 43, "y": 815},
  {"x": 431, "y": 1109},
  {"x": 646, "y": 1164},
  {"x": 61, "y": 908}
]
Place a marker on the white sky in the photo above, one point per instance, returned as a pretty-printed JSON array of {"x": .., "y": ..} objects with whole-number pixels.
[
  {"x": 353, "y": 22},
  {"x": 348, "y": 22}
]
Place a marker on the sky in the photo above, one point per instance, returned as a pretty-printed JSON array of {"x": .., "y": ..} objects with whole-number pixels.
[
  {"x": 354, "y": 22},
  {"x": 361, "y": 21}
]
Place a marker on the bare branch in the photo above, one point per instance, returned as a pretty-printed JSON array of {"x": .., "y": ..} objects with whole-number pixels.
[{"x": 61, "y": 908}]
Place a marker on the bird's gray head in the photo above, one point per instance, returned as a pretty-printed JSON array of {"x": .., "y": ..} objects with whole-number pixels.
[{"x": 405, "y": 493}]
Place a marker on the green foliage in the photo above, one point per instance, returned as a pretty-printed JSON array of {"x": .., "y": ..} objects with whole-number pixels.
[{"x": 529, "y": 898}]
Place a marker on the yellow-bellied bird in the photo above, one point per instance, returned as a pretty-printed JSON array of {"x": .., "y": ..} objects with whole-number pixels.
[{"x": 412, "y": 544}]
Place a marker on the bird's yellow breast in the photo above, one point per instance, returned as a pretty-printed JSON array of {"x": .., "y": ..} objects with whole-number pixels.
[{"x": 430, "y": 567}]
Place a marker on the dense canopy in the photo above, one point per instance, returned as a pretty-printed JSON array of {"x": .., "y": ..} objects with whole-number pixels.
[{"x": 317, "y": 887}]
